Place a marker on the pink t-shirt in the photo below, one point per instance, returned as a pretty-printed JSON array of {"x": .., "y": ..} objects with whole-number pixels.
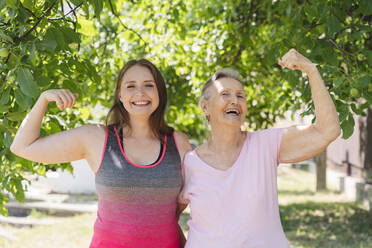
[{"x": 236, "y": 208}]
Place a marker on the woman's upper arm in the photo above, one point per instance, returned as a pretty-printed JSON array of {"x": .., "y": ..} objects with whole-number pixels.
[
  {"x": 300, "y": 143},
  {"x": 62, "y": 147},
  {"x": 184, "y": 146},
  {"x": 183, "y": 143}
]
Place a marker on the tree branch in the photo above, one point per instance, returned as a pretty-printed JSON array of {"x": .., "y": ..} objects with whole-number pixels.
[
  {"x": 342, "y": 54},
  {"x": 38, "y": 21},
  {"x": 28, "y": 10},
  {"x": 76, "y": 19},
  {"x": 125, "y": 26},
  {"x": 71, "y": 11}
]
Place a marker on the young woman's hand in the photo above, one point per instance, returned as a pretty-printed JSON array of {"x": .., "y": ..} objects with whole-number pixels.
[{"x": 63, "y": 98}]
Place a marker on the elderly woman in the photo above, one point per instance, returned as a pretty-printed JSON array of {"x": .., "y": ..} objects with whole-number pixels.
[{"x": 230, "y": 181}]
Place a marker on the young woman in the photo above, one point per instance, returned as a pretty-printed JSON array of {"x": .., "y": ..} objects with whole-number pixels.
[
  {"x": 136, "y": 158},
  {"x": 231, "y": 179}
]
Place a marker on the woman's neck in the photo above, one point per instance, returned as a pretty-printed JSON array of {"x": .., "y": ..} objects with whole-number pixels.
[
  {"x": 139, "y": 128},
  {"x": 225, "y": 138}
]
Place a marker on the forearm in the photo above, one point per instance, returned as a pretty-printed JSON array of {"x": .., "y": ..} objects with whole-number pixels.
[
  {"x": 29, "y": 130},
  {"x": 327, "y": 121}
]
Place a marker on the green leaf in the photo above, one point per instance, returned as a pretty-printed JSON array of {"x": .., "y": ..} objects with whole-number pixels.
[
  {"x": 16, "y": 116},
  {"x": 26, "y": 82},
  {"x": 19, "y": 193},
  {"x": 97, "y": 5},
  {"x": 365, "y": 7},
  {"x": 85, "y": 8},
  {"x": 76, "y": 2},
  {"x": 369, "y": 57},
  {"x": 28, "y": 4},
  {"x": 292, "y": 78},
  {"x": 311, "y": 13},
  {"x": 48, "y": 44},
  {"x": 5, "y": 96},
  {"x": 364, "y": 81},
  {"x": 355, "y": 109},
  {"x": 70, "y": 36},
  {"x": 92, "y": 73},
  {"x": 2, "y": 4},
  {"x": 41, "y": 80},
  {"x": 12, "y": 3},
  {"x": 342, "y": 109},
  {"x": 22, "y": 100},
  {"x": 7, "y": 139},
  {"x": 4, "y": 108},
  {"x": 14, "y": 60},
  {"x": 58, "y": 36},
  {"x": 333, "y": 26},
  {"x": 348, "y": 126},
  {"x": 331, "y": 58},
  {"x": 5, "y": 37},
  {"x": 338, "y": 82},
  {"x": 32, "y": 52},
  {"x": 368, "y": 96}
]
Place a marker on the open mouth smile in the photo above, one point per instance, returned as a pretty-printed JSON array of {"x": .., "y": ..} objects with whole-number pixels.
[
  {"x": 141, "y": 103},
  {"x": 233, "y": 112}
]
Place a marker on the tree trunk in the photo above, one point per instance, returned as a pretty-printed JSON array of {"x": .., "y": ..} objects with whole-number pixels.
[
  {"x": 321, "y": 171},
  {"x": 368, "y": 147}
]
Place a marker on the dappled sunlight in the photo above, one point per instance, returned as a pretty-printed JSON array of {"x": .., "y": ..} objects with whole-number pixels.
[
  {"x": 319, "y": 219},
  {"x": 326, "y": 224}
]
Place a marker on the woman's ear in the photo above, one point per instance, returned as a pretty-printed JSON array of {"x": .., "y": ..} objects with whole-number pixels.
[{"x": 203, "y": 105}]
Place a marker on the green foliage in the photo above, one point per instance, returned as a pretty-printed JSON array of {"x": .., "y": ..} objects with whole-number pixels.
[{"x": 82, "y": 44}]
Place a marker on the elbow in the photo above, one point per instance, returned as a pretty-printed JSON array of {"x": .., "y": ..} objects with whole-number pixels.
[
  {"x": 332, "y": 133},
  {"x": 15, "y": 150},
  {"x": 12, "y": 148},
  {"x": 335, "y": 131}
]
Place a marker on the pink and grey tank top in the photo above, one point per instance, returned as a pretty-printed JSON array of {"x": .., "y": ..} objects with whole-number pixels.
[{"x": 136, "y": 203}]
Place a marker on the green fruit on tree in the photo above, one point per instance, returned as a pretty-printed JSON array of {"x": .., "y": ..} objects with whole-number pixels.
[
  {"x": 354, "y": 92},
  {"x": 4, "y": 52}
]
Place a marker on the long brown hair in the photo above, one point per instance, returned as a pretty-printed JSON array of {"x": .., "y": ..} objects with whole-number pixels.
[{"x": 118, "y": 115}]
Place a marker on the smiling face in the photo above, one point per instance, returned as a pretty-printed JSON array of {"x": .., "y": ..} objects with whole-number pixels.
[
  {"x": 138, "y": 92},
  {"x": 226, "y": 102}
]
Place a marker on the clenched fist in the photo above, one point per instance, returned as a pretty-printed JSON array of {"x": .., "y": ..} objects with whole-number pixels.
[
  {"x": 295, "y": 61},
  {"x": 63, "y": 98}
]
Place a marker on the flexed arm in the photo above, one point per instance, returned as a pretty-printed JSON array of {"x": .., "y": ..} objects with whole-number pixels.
[
  {"x": 303, "y": 142},
  {"x": 60, "y": 147}
]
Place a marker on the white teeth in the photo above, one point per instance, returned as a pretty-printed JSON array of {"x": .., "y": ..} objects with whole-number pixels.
[
  {"x": 141, "y": 103},
  {"x": 232, "y": 111}
]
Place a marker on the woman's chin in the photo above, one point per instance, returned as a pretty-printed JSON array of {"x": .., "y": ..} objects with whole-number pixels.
[{"x": 230, "y": 122}]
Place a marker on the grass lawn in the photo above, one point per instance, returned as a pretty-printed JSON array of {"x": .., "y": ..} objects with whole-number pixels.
[
  {"x": 309, "y": 219},
  {"x": 325, "y": 219}
]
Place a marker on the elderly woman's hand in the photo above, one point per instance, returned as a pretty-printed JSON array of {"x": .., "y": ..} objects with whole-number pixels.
[{"x": 295, "y": 61}]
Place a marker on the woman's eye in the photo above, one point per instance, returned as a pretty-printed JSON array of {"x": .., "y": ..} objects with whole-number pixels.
[
  {"x": 240, "y": 96},
  {"x": 130, "y": 86},
  {"x": 225, "y": 93},
  {"x": 149, "y": 85}
]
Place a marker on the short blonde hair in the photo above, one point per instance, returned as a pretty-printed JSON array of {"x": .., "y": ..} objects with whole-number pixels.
[{"x": 223, "y": 73}]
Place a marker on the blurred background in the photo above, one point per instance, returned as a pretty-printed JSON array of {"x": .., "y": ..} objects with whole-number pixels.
[{"x": 81, "y": 45}]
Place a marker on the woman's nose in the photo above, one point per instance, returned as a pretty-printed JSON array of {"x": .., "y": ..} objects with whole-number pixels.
[
  {"x": 234, "y": 99},
  {"x": 140, "y": 91}
]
